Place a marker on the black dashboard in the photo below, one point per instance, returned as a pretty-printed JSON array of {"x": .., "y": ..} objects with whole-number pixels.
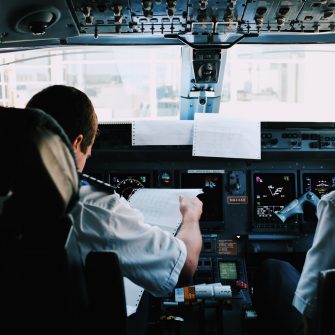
[{"x": 241, "y": 196}]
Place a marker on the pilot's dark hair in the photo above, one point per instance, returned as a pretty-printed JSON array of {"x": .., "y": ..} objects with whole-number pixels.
[{"x": 71, "y": 108}]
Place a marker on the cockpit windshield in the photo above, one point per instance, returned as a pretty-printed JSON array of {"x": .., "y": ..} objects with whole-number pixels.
[{"x": 265, "y": 82}]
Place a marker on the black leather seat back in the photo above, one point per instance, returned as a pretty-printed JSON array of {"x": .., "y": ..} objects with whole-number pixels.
[
  {"x": 38, "y": 186},
  {"x": 77, "y": 302},
  {"x": 325, "y": 305},
  {"x": 44, "y": 284},
  {"x": 38, "y": 165},
  {"x": 106, "y": 293},
  {"x": 96, "y": 291}
]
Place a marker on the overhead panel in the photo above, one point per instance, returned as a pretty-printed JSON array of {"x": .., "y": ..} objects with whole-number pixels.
[
  {"x": 198, "y": 23},
  {"x": 210, "y": 13},
  {"x": 122, "y": 16},
  {"x": 203, "y": 16},
  {"x": 318, "y": 16},
  {"x": 160, "y": 16},
  {"x": 103, "y": 17},
  {"x": 271, "y": 16}
]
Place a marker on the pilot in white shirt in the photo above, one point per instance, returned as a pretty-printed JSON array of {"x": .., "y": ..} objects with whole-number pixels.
[
  {"x": 149, "y": 256},
  {"x": 321, "y": 256}
]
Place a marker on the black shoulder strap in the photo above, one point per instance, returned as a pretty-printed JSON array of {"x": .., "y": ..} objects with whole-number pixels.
[{"x": 86, "y": 179}]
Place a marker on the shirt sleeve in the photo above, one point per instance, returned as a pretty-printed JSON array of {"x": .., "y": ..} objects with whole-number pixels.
[
  {"x": 319, "y": 257},
  {"x": 149, "y": 256}
]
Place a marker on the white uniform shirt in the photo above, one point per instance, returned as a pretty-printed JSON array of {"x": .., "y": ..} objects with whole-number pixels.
[
  {"x": 149, "y": 256},
  {"x": 321, "y": 256}
]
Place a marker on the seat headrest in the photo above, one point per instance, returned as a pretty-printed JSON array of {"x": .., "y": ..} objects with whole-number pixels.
[{"x": 38, "y": 172}]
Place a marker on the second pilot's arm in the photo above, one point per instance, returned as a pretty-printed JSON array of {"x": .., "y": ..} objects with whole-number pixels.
[
  {"x": 321, "y": 256},
  {"x": 190, "y": 234}
]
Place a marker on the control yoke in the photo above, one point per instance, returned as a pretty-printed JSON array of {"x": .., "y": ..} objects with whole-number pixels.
[{"x": 296, "y": 205}]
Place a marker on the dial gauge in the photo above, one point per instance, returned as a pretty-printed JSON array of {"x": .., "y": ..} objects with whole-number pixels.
[{"x": 126, "y": 187}]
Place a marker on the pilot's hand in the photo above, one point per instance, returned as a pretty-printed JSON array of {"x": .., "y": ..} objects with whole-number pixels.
[{"x": 190, "y": 208}]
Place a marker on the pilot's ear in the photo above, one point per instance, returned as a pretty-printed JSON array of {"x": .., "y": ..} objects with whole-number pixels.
[{"x": 77, "y": 143}]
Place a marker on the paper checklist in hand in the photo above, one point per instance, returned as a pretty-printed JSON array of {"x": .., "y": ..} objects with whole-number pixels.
[{"x": 160, "y": 207}]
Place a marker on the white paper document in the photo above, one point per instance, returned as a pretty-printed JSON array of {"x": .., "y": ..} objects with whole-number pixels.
[
  {"x": 162, "y": 132},
  {"x": 133, "y": 295},
  {"x": 160, "y": 207},
  {"x": 218, "y": 136}
]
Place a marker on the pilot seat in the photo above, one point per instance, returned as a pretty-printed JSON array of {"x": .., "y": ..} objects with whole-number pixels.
[{"x": 39, "y": 185}]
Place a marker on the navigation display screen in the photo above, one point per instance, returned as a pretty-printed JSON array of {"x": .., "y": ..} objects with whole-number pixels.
[
  {"x": 212, "y": 198},
  {"x": 272, "y": 192},
  {"x": 319, "y": 183}
]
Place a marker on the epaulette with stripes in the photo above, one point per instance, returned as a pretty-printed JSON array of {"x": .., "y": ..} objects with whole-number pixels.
[{"x": 86, "y": 179}]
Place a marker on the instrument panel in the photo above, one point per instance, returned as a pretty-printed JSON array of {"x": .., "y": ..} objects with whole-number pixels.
[
  {"x": 262, "y": 192},
  {"x": 241, "y": 197}
]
